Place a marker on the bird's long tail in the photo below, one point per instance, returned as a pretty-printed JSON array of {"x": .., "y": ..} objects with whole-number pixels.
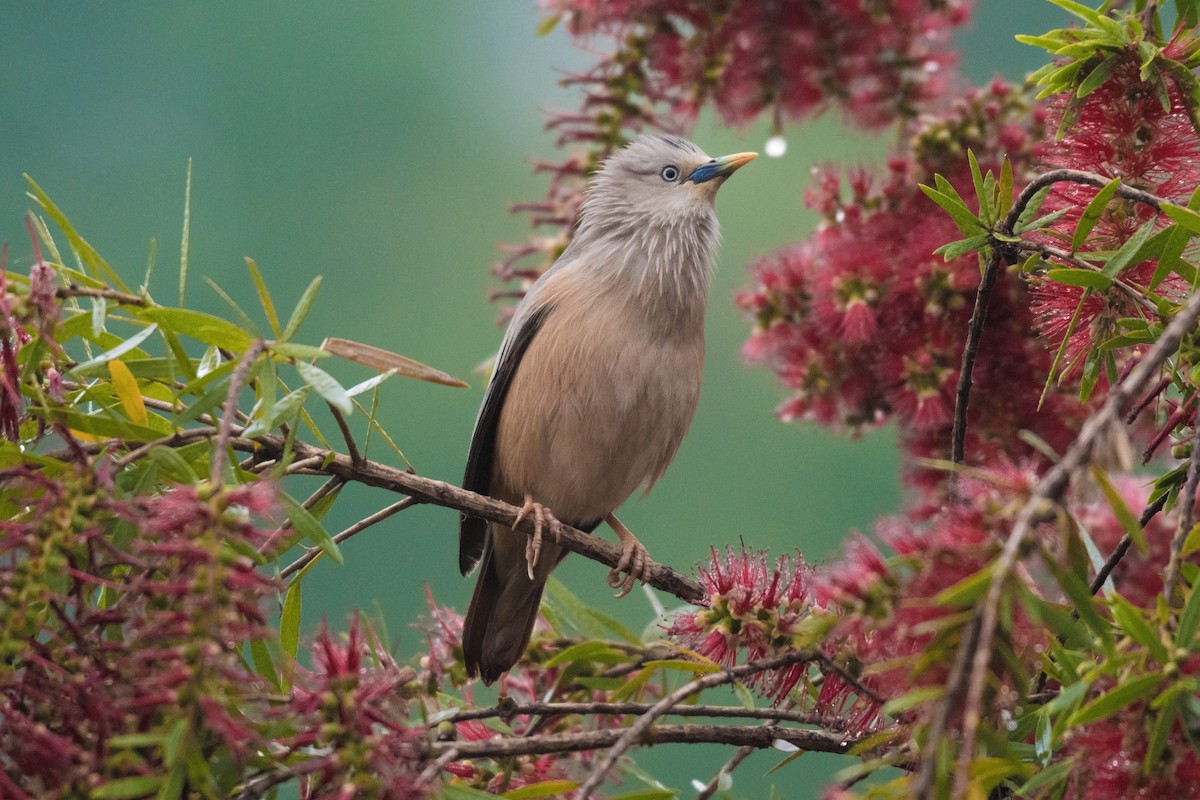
[{"x": 500, "y": 619}]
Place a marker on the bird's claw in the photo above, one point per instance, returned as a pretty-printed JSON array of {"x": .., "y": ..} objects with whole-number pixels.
[
  {"x": 634, "y": 561},
  {"x": 541, "y": 518}
]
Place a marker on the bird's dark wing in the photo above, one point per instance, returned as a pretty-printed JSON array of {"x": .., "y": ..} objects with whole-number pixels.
[{"x": 472, "y": 531}]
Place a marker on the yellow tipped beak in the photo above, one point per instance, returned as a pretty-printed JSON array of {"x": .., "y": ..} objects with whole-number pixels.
[{"x": 722, "y": 167}]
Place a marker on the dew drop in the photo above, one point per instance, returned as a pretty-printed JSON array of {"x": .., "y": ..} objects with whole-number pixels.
[{"x": 776, "y": 146}]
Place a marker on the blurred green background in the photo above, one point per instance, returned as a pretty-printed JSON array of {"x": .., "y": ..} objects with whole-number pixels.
[{"x": 378, "y": 144}]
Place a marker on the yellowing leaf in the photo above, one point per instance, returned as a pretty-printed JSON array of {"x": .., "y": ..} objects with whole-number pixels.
[{"x": 126, "y": 387}]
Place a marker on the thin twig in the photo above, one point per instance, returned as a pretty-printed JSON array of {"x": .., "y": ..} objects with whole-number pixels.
[
  {"x": 1187, "y": 507},
  {"x": 1049, "y": 251},
  {"x": 739, "y": 755},
  {"x": 357, "y": 527},
  {"x": 174, "y": 440},
  {"x": 351, "y": 446},
  {"x": 1048, "y": 490},
  {"x": 1118, "y": 553},
  {"x": 639, "y": 729},
  {"x": 1074, "y": 176},
  {"x": 236, "y": 381},
  {"x": 970, "y": 351},
  {"x": 124, "y": 298}
]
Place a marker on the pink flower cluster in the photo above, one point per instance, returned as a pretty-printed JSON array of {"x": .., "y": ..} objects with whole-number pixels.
[
  {"x": 876, "y": 59},
  {"x": 1121, "y": 130},
  {"x": 352, "y": 709},
  {"x": 866, "y": 325},
  {"x": 102, "y": 642}
]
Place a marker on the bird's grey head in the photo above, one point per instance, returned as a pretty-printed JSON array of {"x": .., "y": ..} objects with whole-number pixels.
[
  {"x": 648, "y": 221},
  {"x": 660, "y": 179}
]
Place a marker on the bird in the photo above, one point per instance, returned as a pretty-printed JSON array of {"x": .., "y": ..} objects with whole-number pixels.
[{"x": 595, "y": 384}]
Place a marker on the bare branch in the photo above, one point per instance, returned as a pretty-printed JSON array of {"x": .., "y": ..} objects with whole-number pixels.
[
  {"x": 440, "y": 493},
  {"x": 351, "y": 447},
  {"x": 757, "y": 736},
  {"x": 637, "y": 709}
]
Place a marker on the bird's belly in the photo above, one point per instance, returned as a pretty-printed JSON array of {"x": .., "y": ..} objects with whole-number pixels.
[{"x": 581, "y": 431}]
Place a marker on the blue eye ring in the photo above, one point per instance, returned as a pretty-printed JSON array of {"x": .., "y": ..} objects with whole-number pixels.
[{"x": 669, "y": 173}]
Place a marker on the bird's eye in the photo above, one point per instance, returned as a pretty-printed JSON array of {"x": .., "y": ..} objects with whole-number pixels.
[{"x": 670, "y": 173}]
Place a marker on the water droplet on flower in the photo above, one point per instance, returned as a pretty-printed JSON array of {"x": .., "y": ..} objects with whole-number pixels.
[
  {"x": 776, "y": 146},
  {"x": 931, "y": 66},
  {"x": 839, "y": 215}
]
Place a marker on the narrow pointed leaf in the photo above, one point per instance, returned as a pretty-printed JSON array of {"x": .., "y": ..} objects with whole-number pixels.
[
  {"x": 127, "y": 391},
  {"x": 385, "y": 360},
  {"x": 264, "y": 297},
  {"x": 325, "y": 385},
  {"x": 115, "y": 353},
  {"x": 310, "y": 528},
  {"x": 1091, "y": 215},
  {"x": 301, "y": 310},
  {"x": 1130, "y": 252}
]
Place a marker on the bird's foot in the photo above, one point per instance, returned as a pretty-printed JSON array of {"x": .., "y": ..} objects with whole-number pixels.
[
  {"x": 635, "y": 559},
  {"x": 541, "y": 518}
]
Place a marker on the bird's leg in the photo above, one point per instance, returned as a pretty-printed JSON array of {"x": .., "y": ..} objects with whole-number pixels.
[
  {"x": 541, "y": 517},
  {"x": 635, "y": 559}
]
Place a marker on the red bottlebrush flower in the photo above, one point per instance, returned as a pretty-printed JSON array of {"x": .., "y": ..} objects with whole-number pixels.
[
  {"x": 876, "y": 60},
  {"x": 754, "y": 610},
  {"x": 354, "y": 713},
  {"x": 1120, "y": 130},
  {"x": 1109, "y": 754},
  {"x": 865, "y": 324}
]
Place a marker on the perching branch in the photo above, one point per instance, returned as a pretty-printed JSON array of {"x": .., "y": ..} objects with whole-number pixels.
[
  {"x": 638, "y": 709},
  {"x": 760, "y": 737},
  {"x": 970, "y": 351}
]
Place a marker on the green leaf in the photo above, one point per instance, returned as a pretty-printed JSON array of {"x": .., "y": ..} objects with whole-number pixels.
[
  {"x": 187, "y": 219},
  {"x": 1043, "y": 221},
  {"x": 124, "y": 347},
  {"x": 173, "y": 745},
  {"x": 1032, "y": 208},
  {"x": 548, "y": 24},
  {"x": 452, "y": 791},
  {"x": 198, "y": 325},
  {"x": 1080, "y": 595},
  {"x": 1085, "y": 278},
  {"x": 541, "y": 789},
  {"x": 309, "y": 528},
  {"x": 263, "y": 664},
  {"x": 1113, "y": 701},
  {"x": 289, "y": 626},
  {"x": 908, "y": 700},
  {"x": 1050, "y": 776},
  {"x": 1189, "y": 620},
  {"x": 1130, "y": 251},
  {"x": 1096, "y": 78},
  {"x": 1091, "y": 215},
  {"x": 121, "y": 788},
  {"x": 369, "y": 383},
  {"x": 172, "y": 788},
  {"x": 1129, "y": 521},
  {"x": 967, "y": 591},
  {"x": 302, "y": 307},
  {"x": 87, "y": 254},
  {"x": 325, "y": 385},
  {"x": 1184, "y": 216},
  {"x": 589, "y": 651},
  {"x": 967, "y": 222},
  {"x": 953, "y": 250},
  {"x": 585, "y": 619},
  {"x": 1132, "y": 621},
  {"x": 264, "y": 297},
  {"x": 1164, "y": 721}
]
